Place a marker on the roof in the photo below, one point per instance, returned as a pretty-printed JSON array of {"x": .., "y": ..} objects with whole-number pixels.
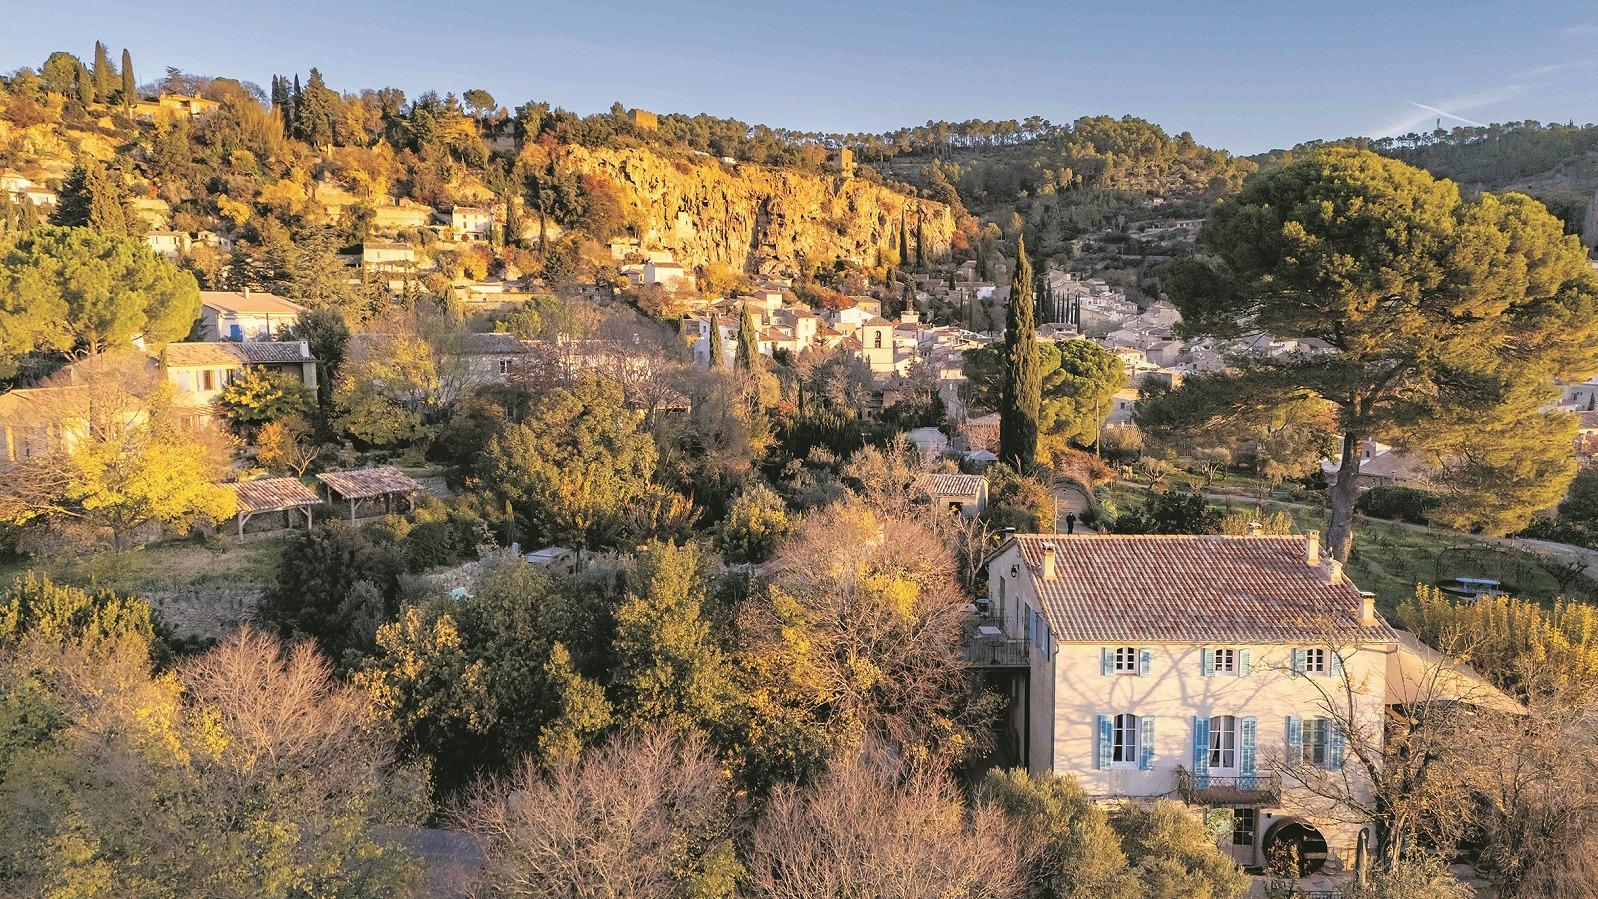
[
  {"x": 255, "y": 301},
  {"x": 955, "y": 484},
  {"x": 1194, "y": 589},
  {"x": 251, "y": 352},
  {"x": 273, "y": 495},
  {"x": 876, "y": 321},
  {"x": 491, "y": 344},
  {"x": 367, "y": 482}
]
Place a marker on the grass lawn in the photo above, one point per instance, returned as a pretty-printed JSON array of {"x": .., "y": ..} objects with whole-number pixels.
[{"x": 161, "y": 566}]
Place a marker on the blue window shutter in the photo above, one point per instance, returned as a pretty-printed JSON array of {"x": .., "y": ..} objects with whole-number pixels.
[
  {"x": 1145, "y": 743},
  {"x": 1298, "y": 662},
  {"x": 235, "y": 332},
  {"x": 1335, "y": 663},
  {"x": 1145, "y": 661},
  {"x": 1105, "y": 737},
  {"x": 1201, "y": 752},
  {"x": 1209, "y": 662},
  {"x": 1295, "y": 739},
  {"x": 1106, "y": 661},
  {"x": 1245, "y": 660},
  {"x": 1334, "y": 747},
  {"x": 1245, "y": 751}
]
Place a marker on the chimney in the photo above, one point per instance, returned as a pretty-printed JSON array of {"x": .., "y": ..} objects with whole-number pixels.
[
  {"x": 1312, "y": 543},
  {"x": 246, "y": 291},
  {"x": 1253, "y": 529},
  {"x": 1048, "y": 562},
  {"x": 305, "y": 349},
  {"x": 1367, "y": 609}
]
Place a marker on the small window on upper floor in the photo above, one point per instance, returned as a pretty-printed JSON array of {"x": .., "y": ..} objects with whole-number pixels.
[
  {"x": 1225, "y": 661},
  {"x": 1315, "y": 660},
  {"x": 1126, "y": 660}
]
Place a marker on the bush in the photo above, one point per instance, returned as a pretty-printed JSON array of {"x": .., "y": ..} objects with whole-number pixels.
[{"x": 1397, "y": 504}]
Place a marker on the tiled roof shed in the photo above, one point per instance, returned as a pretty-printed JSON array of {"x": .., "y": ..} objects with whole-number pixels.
[
  {"x": 366, "y": 483},
  {"x": 272, "y": 495},
  {"x": 1195, "y": 589},
  {"x": 940, "y": 484}
]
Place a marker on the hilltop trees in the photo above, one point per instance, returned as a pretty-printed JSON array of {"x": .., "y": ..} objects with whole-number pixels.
[
  {"x": 1020, "y": 395},
  {"x": 1448, "y": 318}
]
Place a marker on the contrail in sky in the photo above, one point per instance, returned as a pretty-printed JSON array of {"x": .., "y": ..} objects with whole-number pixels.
[{"x": 1445, "y": 114}]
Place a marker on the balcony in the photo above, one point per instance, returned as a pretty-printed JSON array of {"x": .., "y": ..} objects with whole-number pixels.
[
  {"x": 1235, "y": 792},
  {"x": 987, "y": 645}
]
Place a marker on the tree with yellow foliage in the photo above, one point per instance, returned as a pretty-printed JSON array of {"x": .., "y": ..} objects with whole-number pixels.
[
  {"x": 122, "y": 463},
  {"x": 853, "y": 636}
]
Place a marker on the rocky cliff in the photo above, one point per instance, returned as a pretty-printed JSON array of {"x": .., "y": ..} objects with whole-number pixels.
[{"x": 760, "y": 219}]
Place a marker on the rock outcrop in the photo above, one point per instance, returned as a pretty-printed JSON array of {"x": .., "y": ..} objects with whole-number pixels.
[{"x": 761, "y": 219}]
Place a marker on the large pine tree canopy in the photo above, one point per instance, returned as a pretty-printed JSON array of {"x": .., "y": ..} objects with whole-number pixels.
[{"x": 1444, "y": 320}]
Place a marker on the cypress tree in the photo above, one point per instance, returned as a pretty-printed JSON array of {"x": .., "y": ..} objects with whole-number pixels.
[
  {"x": 84, "y": 85},
  {"x": 103, "y": 74},
  {"x": 921, "y": 242},
  {"x": 718, "y": 352},
  {"x": 129, "y": 88},
  {"x": 748, "y": 344},
  {"x": 1022, "y": 396},
  {"x": 904, "y": 240}
]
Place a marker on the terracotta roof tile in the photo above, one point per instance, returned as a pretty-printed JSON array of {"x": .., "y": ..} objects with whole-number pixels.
[
  {"x": 368, "y": 482},
  {"x": 273, "y": 494},
  {"x": 1193, "y": 589}
]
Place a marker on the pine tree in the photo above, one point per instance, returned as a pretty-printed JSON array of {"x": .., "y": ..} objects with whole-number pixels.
[
  {"x": 103, "y": 74},
  {"x": 1022, "y": 397},
  {"x": 96, "y": 197},
  {"x": 748, "y": 344},
  {"x": 129, "y": 88},
  {"x": 313, "y": 113},
  {"x": 718, "y": 352}
]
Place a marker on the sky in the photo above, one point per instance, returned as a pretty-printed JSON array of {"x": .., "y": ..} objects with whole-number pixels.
[{"x": 1241, "y": 75}]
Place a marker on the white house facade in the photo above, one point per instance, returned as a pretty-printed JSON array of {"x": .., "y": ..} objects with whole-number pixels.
[{"x": 1197, "y": 667}]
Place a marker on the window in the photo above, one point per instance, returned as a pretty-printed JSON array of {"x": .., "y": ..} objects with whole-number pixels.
[
  {"x": 1316, "y": 733},
  {"x": 208, "y": 380},
  {"x": 1223, "y": 742},
  {"x": 1244, "y": 822},
  {"x": 877, "y": 341},
  {"x": 1126, "y": 660},
  {"x": 1123, "y": 740},
  {"x": 1225, "y": 661},
  {"x": 1315, "y": 661},
  {"x": 504, "y": 366}
]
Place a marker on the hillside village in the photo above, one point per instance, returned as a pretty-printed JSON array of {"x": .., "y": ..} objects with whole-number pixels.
[{"x": 421, "y": 497}]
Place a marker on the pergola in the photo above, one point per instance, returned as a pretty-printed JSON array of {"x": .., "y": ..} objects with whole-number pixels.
[
  {"x": 272, "y": 495},
  {"x": 369, "y": 485}
]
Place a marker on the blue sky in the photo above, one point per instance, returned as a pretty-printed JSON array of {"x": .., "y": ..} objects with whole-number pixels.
[{"x": 1247, "y": 76}]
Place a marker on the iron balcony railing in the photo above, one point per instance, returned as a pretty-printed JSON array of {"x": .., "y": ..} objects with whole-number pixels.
[
  {"x": 1242, "y": 790},
  {"x": 997, "y": 652}
]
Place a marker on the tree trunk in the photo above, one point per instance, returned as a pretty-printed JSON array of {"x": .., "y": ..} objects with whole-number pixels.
[{"x": 1340, "y": 533}]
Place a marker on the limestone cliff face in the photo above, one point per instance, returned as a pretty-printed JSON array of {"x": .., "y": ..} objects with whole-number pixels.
[{"x": 760, "y": 219}]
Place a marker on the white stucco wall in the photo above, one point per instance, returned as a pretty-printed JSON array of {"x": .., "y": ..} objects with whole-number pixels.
[{"x": 1068, "y": 692}]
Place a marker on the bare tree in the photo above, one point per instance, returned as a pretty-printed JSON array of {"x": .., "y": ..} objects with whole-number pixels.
[
  {"x": 864, "y": 830},
  {"x": 640, "y": 817}
]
